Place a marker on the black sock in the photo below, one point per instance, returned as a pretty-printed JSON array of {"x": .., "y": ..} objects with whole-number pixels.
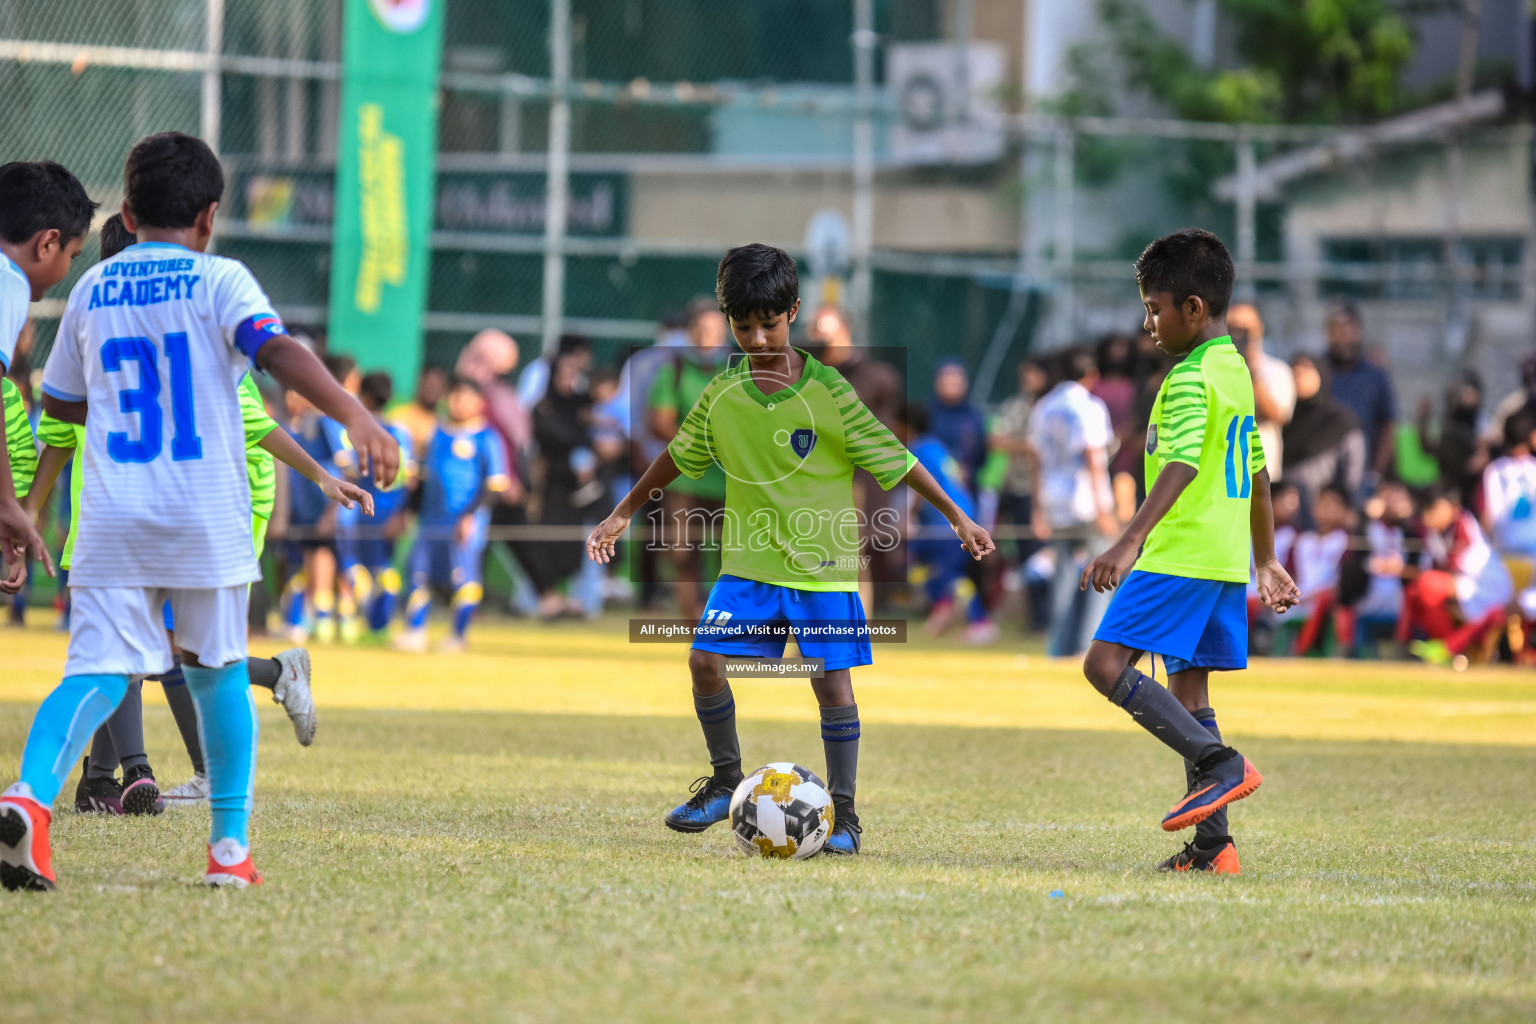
[
  {"x": 185, "y": 712},
  {"x": 717, "y": 717},
  {"x": 1160, "y": 713},
  {"x": 127, "y": 728},
  {"x": 102, "y": 763},
  {"x": 1214, "y": 828},
  {"x": 840, "y": 740},
  {"x": 264, "y": 672}
]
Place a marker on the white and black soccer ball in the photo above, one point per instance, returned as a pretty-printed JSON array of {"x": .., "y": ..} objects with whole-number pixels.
[{"x": 781, "y": 810}]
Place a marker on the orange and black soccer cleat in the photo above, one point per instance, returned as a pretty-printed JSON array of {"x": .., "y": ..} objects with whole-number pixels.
[
  {"x": 229, "y": 863},
  {"x": 1230, "y": 778},
  {"x": 1220, "y": 859},
  {"x": 25, "y": 863}
]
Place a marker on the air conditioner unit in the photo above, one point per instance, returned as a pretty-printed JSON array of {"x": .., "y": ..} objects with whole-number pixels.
[{"x": 949, "y": 101}]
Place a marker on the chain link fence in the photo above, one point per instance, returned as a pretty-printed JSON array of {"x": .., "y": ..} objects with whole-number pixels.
[{"x": 898, "y": 163}]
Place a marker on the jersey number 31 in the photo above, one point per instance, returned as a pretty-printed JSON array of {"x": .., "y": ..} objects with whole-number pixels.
[{"x": 145, "y": 400}]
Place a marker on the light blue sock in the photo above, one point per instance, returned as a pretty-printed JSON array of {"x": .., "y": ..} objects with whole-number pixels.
[
  {"x": 226, "y": 722},
  {"x": 63, "y": 728}
]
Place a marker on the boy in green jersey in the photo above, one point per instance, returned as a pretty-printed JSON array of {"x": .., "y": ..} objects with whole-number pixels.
[
  {"x": 788, "y": 432},
  {"x": 1207, "y": 500}
]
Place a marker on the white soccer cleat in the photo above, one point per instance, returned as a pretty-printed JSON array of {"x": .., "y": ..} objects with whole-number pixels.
[
  {"x": 229, "y": 864},
  {"x": 191, "y": 793},
  {"x": 413, "y": 641},
  {"x": 293, "y": 693}
]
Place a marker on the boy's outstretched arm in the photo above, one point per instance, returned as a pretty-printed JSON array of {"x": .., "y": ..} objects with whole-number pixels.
[
  {"x": 601, "y": 541},
  {"x": 288, "y": 451},
  {"x": 1106, "y": 571},
  {"x": 50, "y": 463},
  {"x": 976, "y": 541},
  {"x": 1276, "y": 588},
  {"x": 294, "y": 366}
]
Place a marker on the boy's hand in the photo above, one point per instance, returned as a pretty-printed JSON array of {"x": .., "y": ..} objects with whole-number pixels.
[
  {"x": 19, "y": 538},
  {"x": 1108, "y": 570},
  {"x": 976, "y": 541},
  {"x": 14, "y": 575},
  {"x": 463, "y": 527},
  {"x": 346, "y": 494},
  {"x": 378, "y": 454},
  {"x": 601, "y": 541},
  {"x": 1276, "y": 588}
]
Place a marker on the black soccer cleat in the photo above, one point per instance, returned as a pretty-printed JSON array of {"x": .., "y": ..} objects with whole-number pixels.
[
  {"x": 844, "y": 840},
  {"x": 141, "y": 793},
  {"x": 710, "y": 802},
  {"x": 1220, "y": 859},
  {"x": 97, "y": 795}
]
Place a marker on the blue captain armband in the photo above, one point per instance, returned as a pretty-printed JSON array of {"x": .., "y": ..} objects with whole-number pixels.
[{"x": 256, "y": 331}]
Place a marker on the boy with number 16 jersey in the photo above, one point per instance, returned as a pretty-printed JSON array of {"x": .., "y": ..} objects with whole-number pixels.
[
  {"x": 1207, "y": 506},
  {"x": 153, "y": 344}
]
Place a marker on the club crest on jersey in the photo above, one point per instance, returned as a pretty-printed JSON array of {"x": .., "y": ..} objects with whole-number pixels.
[
  {"x": 802, "y": 441},
  {"x": 463, "y": 448},
  {"x": 1151, "y": 438}
]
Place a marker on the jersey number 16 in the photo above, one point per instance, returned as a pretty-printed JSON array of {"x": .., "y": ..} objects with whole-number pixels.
[{"x": 145, "y": 400}]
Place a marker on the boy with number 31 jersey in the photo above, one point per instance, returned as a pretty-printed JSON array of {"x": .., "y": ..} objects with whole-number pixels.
[{"x": 153, "y": 343}]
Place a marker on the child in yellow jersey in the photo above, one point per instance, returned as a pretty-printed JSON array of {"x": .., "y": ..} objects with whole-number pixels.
[{"x": 1207, "y": 499}]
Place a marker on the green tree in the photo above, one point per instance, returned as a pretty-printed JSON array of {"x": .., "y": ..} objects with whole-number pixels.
[{"x": 1293, "y": 61}]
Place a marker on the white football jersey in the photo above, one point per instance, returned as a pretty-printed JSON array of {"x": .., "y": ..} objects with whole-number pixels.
[
  {"x": 15, "y": 302},
  {"x": 155, "y": 341}
]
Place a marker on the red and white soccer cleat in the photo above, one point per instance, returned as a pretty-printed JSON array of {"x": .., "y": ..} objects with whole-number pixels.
[
  {"x": 25, "y": 863},
  {"x": 229, "y": 863}
]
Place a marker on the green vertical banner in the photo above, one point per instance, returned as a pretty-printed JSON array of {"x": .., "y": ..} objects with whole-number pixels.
[{"x": 386, "y": 161}]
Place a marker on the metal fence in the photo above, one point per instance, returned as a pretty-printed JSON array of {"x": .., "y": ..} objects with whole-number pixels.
[{"x": 597, "y": 156}]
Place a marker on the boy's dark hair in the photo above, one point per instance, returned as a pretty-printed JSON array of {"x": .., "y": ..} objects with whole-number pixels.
[
  {"x": 570, "y": 344},
  {"x": 465, "y": 384},
  {"x": 340, "y": 366},
  {"x": 1437, "y": 490},
  {"x": 759, "y": 279},
  {"x": 1188, "y": 262},
  {"x": 375, "y": 390},
  {"x": 169, "y": 179},
  {"x": 1338, "y": 492},
  {"x": 115, "y": 236},
  {"x": 603, "y": 375},
  {"x": 1281, "y": 486},
  {"x": 39, "y": 196},
  {"x": 915, "y": 416},
  {"x": 1074, "y": 364},
  {"x": 1519, "y": 426}
]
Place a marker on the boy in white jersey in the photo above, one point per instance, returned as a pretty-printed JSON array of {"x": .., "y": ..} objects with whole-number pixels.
[
  {"x": 154, "y": 342},
  {"x": 44, "y": 215}
]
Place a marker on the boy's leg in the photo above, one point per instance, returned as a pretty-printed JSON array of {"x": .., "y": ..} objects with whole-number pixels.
[
  {"x": 834, "y": 694},
  {"x": 321, "y": 568},
  {"x": 386, "y": 597},
  {"x": 1192, "y": 688},
  {"x": 98, "y": 791},
  {"x": 1111, "y": 668},
  {"x": 731, "y": 601},
  {"x": 468, "y": 592},
  {"x": 210, "y": 627},
  {"x": 184, "y": 711},
  {"x": 115, "y": 633},
  {"x": 839, "y": 734},
  {"x": 141, "y": 793}
]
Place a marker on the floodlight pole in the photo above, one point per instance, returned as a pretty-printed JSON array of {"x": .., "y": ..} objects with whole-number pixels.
[
  {"x": 213, "y": 45},
  {"x": 1063, "y": 189},
  {"x": 861, "y": 243},
  {"x": 557, "y": 187}
]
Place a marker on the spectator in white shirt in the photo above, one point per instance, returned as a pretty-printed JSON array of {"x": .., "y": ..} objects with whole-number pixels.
[
  {"x": 1274, "y": 386},
  {"x": 1069, "y": 439}
]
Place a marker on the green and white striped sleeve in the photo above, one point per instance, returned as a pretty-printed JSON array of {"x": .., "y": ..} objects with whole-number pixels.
[
  {"x": 1186, "y": 406},
  {"x": 693, "y": 448},
  {"x": 870, "y": 445},
  {"x": 1256, "y": 459},
  {"x": 19, "y": 443}
]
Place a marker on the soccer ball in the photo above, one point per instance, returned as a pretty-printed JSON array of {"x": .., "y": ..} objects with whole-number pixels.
[{"x": 781, "y": 810}]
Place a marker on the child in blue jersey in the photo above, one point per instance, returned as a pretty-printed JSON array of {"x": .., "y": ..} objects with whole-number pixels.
[
  {"x": 310, "y": 594},
  {"x": 365, "y": 546},
  {"x": 463, "y": 466},
  {"x": 945, "y": 562}
]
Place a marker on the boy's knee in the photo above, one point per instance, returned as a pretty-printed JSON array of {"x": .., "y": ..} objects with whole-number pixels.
[
  {"x": 1102, "y": 667},
  {"x": 705, "y": 668}
]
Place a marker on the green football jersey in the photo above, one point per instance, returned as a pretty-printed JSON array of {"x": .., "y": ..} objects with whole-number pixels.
[
  {"x": 19, "y": 443},
  {"x": 788, "y": 460},
  {"x": 1203, "y": 417},
  {"x": 260, "y": 467},
  {"x": 58, "y": 434}
]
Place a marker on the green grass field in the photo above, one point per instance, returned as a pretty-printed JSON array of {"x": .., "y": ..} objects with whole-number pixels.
[{"x": 479, "y": 838}]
